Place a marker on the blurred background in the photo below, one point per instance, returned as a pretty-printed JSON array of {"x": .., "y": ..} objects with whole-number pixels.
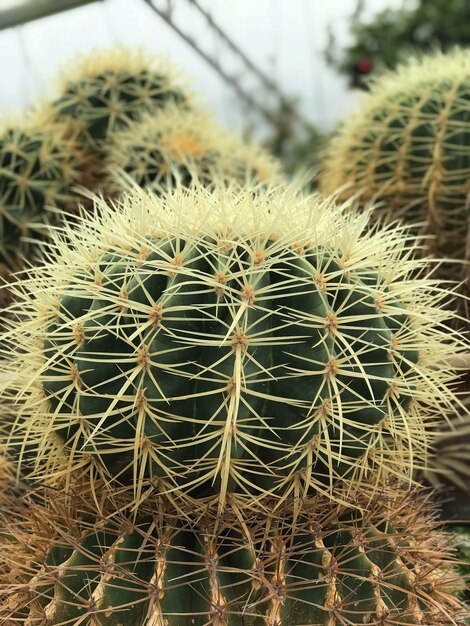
[{"x": 283, "y": 71}]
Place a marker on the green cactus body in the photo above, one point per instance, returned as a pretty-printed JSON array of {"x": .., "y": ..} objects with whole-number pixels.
[
  {"x": 110, "y": 89},
  {"x": 187, "y": 145},
  {"x": 39, "y": 166},
  {"x": 409, "y": 148},
  {"x": 212, "y": 353},
  {"x": 329, "y": 567}
]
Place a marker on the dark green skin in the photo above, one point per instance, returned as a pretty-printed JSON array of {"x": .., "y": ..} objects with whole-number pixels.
[
  {"x": 193, "y": 579},
  {"x": 88, "y": 101},
  {"x": 184, "y": 382}
]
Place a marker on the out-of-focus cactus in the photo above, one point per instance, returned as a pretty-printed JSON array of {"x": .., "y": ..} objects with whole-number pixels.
[
  {"x": 109, "y": 89},
  {"x": 41, "y": 162},
  {"x": 188, "y": 145},
  {"x": 408, "y": 146}
]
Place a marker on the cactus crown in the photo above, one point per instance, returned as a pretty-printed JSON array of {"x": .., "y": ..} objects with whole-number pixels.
[
  {"x": 330, "y": 567},
  {"x": 232, "y": 345},
  {"x": 409, "y": 146},
  {"x": 39, "y": 166},
  {"x": 183, "y": 142},
  {"x": 109, "y": 89}
]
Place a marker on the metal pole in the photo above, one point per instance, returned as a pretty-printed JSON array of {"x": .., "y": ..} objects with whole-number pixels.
[{"x": 36, "y": 9}]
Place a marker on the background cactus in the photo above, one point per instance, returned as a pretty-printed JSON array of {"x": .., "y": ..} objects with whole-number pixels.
[
  {"x": 109, "y": 89},
  {"x": 183, "y": 143},
  {"x": 40, "y": 164},
  {"x": 409, "y": 147},
  {"x": 331, "y": 566},
  {"x": 233, "y": 343}
]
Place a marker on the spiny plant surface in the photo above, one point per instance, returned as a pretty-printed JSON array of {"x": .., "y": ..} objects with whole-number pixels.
[
  {"x": 330, "y": 567},
  {"x": 409, "y": 147},
  {"x": 184, "y": 144},
  {"x": 109, "y": 89},
  {"x": 40, "y": 164},
  {"x": 230, "y": 345}
]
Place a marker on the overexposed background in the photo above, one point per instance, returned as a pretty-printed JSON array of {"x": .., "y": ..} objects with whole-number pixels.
[{"x": 284, "y": 37}]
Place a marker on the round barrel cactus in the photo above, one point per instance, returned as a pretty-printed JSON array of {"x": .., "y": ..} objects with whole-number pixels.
[
  {"x": 408, "y": 146},
  {"x": 109, "y": 89},
  {"x": 231, "y": 345},
  {"x": 329, "y": 567},
  {"x": 40, "y": 164},
  {"x": 187, "y": 145}
]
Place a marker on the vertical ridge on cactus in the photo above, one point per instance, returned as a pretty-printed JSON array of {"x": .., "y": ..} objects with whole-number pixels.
[
  {"x": 232, "y": 345},
  {"x": 330, "y": 566},
  {"x": 409, "y": 147}
]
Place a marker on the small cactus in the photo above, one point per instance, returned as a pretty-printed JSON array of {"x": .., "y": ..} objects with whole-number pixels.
[
  {"x": 331, "y": 566},
  {"x": 229, "y": 344},
  {"x": 409, "y": 147},
  {"x": 185, "y": 144}
]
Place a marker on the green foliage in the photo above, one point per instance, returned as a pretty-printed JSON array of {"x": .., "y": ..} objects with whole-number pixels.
[{"x": 393, "y": 34}]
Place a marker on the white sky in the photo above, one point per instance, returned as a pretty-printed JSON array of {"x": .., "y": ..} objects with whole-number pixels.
[{"x": 284, "y": 37}]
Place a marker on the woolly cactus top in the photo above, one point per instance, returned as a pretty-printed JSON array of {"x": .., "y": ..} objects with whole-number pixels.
[
  {"x": 183, "y": 143},
  {"x": 409, "y": 146},
  {"x": 231, "y": 345}
]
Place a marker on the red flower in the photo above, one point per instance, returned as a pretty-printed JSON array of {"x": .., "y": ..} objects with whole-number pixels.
[{"x": 364, "y": 66}]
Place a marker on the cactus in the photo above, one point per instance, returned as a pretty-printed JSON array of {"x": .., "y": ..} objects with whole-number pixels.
[
  {"x": 409, "y": 147},
  {"x": 450, "y": 462},
  {"x": 40, "y": 163},
  {"x": 108, "y": 90},
  {"x": 231, "y": 345},
  {"x": 330, "y": 567},
  {"x": 183, "y": 143}
]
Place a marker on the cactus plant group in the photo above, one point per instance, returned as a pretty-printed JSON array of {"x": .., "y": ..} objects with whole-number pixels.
[{"x": 217, "y": 390}]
